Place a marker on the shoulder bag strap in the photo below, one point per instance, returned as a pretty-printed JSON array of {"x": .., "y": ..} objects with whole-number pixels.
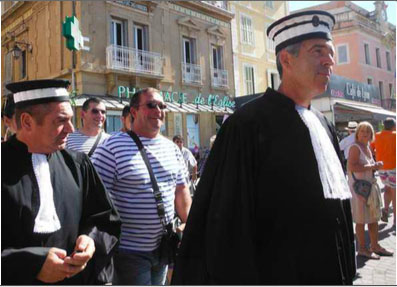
[
  {"x": 95, "y": 144},
  {"x": 156, "y": 190}
]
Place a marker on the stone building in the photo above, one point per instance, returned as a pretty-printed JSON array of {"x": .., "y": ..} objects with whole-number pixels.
[{"x": 183, "y": 49}]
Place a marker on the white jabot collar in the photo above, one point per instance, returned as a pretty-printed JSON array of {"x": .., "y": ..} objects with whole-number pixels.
[
  {"x": 330, "y": 169},
  {"x": 47, "y": 220}
]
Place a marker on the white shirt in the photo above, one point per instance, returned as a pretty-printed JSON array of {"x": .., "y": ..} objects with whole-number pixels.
[{"x": 346, "y": 143}]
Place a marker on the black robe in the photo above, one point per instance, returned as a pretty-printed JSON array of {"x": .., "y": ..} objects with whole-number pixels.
[
  {"x": 259, "y": 215},
  {"x": 82, "y": 206}
]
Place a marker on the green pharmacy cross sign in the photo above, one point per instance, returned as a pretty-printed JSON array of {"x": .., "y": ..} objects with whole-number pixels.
[{"x": 71, "y": 31}]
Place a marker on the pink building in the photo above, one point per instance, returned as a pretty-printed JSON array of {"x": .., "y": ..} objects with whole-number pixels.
[{"x": 365, "y": 45}]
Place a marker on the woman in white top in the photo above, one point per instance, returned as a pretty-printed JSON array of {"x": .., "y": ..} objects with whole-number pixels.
[{"x": 365, "y": 211}]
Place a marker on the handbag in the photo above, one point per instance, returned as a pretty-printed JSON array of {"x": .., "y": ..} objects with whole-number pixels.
[
  {"x": 170, "y": 240},
  {"x": 362, "y": 187}
]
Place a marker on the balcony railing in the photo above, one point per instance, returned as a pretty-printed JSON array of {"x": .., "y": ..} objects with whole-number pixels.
[
  {"x": 133, "y": 60},
  {"x": 219, "y": 4},
  {"x": 191, "y": 73},
  {"x": 389, "y": 104},
  {"x": 219, "y": 78}
]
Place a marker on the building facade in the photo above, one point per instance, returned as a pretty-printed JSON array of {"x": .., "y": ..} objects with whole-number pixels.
[
  {"x": 253, "y": 53},
  {"x": 363, "y": 87},
  {"x": 184, "y": 49}
]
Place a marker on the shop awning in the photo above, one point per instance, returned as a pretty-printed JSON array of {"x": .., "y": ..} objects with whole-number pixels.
[
  {"x": 114, "y": 103},
  {"x": 375, "y": 112},
  {"x": 109, "y": 102}
]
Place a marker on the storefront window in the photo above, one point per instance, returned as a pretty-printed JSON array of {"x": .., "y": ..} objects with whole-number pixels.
[
  {"x": 178, "y": 124},
  {"x": 193, "y": 131},
  {"x": 113, "y": 124}
]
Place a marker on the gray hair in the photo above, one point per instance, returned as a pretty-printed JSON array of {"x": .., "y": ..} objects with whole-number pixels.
[{"x": 291, "y": 49}]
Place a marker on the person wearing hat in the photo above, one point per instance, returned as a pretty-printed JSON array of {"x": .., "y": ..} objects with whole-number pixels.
[
  {"x": 58, "y": 223},
  {"x": 349, "y": 140},
  {"x": 237, "y": 232},
  {"x": 8, "y": 116}
]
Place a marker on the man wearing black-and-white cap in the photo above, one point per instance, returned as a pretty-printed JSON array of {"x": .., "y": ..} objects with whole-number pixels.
[
  {"x": 276, "y": 148},
  {"x": 346, "y": 143},
  {"x": 58, "y": 224}
]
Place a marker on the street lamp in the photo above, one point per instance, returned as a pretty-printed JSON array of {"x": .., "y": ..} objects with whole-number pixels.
[{"x": 17, "y": 52}]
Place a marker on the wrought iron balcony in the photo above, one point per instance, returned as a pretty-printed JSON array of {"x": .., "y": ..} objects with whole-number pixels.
[
  {"x": 219, "y": 78},
  {"x": 191, "y": 73},
  {"x": 134, "y": 60}
]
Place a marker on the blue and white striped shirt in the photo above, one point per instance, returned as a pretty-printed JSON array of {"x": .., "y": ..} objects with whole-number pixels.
[
  {"x": 80, "y": 142},
  {"x": 125, "y": 175}
]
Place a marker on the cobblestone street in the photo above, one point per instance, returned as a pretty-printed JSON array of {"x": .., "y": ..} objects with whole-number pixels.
[{"x": 383, "y": 271}]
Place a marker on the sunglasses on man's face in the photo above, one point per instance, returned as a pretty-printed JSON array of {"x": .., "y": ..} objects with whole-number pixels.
[
  {"x": 97, "y": 111},
  {"x": 154, "y": 105}
]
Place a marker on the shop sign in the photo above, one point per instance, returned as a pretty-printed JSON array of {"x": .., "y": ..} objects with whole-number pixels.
[
  {"x": 341, "y": 87},
  {"x": 181, "y": 98}
]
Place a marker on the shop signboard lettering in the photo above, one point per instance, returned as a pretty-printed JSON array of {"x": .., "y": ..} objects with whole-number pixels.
[
  {"x": 341, "y": 87},
  {"x": 181, "y": 98}
]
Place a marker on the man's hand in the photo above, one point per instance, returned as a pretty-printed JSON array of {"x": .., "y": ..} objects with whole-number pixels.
[
  {"x": 84, "y": 250},
  {"x": 53, "y": 269}
]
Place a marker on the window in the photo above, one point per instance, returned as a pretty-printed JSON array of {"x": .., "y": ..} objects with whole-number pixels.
[
  {"x": 343, "y": 54},
  {"x": 141, "y": 37},
  {"x": 369, "y": 81},
  {"x": 189, "y": 53},
  {"x": 391, "y": 91},
  {"x": 249, "y": 80},
  {"x": 193, "y": 130},
  {"x": 22, "y": 67},
  {"x": 274, "y": 80},
  {"x": 367, "y": 56},
  {"x": 269, "y": 42},
  {"x": 378, "y": 60},
  {"x": 269, "y": 4},
  {"x": 388, "y": 61},
  {"x": 381, "y": 90},
  {"x": 246, "y": 30},
  {"x": 191, "y": 72},
  {"x": 217, "y": 57},
  {"x": 117, "y": 33},
  {"x": 113, "y": 123},
  {"x": 8, "y": 68}
]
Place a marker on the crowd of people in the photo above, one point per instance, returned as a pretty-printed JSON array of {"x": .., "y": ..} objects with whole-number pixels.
[{"x": 87, "y": 207}]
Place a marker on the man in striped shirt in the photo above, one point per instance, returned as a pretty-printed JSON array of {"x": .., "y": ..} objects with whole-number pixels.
[
  {"x": 126, "y": 177},
  {"x": 86, "y": 139}
]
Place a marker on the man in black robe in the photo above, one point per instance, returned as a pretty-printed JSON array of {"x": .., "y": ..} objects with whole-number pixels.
[
  {"x": 272, "y": 206},
  {"x": 58, "y": 223}
]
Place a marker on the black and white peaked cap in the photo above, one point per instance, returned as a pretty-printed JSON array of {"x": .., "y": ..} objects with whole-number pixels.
[
  {"x": 301, "y": 26},
  {"x": 29, "y": 93}
]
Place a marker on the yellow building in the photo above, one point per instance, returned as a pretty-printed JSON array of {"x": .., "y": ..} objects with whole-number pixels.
[
  {"x": 253, "y": 54},
  {"x": 182, "y": 48}
]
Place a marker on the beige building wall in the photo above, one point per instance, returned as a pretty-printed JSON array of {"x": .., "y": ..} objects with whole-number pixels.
[
  {"x": 257, "y": 54},
  {"x": 39, "y": 23}
]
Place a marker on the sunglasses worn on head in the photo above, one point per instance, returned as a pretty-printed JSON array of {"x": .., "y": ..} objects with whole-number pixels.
[
  {"x": 154, "y": 105},
  {"x": 96, "y": 111}
]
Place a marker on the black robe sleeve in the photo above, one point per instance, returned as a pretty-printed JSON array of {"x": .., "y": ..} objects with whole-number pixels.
[
  {"x": 220, "y": 229},
  {"x": 100, "y": 220}
]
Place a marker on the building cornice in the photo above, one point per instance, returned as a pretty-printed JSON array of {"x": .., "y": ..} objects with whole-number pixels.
[
  {"x": 207, "y": 8},
  {"x": 11, "y": 10}
]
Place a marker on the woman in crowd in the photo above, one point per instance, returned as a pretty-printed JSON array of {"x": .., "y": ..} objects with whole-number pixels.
[{"x": 365, "y": 211}]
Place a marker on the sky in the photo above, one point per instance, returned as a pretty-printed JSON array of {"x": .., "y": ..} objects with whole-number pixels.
[{"x": 368, "y": 5}]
